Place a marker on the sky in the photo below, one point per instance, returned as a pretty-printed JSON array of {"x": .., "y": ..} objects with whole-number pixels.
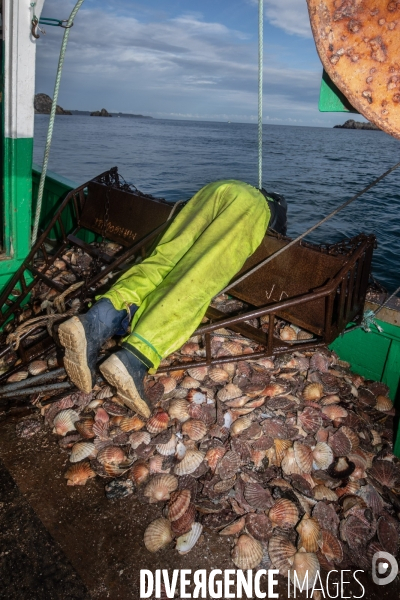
[{"x": 186, "y": 59}]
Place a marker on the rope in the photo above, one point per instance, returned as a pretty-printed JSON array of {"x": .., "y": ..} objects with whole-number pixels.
[
  {"x": 59, "y": 303},
  {"x": 52, "y": 117},
  {"x": 303, "y": 235},
  {"x": 260, "y": 86},
  {"x": 14, "y": 338},
  {"x": 387, "y": 301}
]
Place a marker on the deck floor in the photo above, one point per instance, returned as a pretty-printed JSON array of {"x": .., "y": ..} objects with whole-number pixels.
[{"x": 60, "y": 542}]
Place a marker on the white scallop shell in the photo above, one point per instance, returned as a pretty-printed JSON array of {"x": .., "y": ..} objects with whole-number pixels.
[
  {"x": 187, "y": 541},
  {"x": 168, "y": 449},
  {"x": 64, "y": 421},
  {"x": 189, "y": 463},
  {"x": 82, "y": 450}
]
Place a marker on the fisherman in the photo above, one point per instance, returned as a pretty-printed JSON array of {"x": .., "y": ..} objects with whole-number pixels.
[{"x": 165, "y": 297}]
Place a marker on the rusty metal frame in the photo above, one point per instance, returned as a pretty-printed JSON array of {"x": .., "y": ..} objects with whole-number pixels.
[{"x": 349, "y": 285}]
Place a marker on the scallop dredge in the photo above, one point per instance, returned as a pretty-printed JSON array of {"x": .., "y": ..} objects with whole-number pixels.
[{"x": 290, "y": 457}]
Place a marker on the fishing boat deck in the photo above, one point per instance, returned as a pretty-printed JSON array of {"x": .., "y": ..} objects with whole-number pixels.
[{"x": 59, "y": 542}]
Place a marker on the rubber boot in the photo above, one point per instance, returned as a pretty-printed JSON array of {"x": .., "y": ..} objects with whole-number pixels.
[
  {"x": 126, "y": 372},
  {"x": 82, "y": 338}
]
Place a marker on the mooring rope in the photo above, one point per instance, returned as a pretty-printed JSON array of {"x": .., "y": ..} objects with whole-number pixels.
[
  {"x": 52, "y": 118},
  {"x": 260, "y": 87},
  {"x": 303, "y": 235}
]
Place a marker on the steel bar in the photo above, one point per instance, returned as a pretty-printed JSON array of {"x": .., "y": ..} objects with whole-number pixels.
[
  {"x": 32, "y": 381},
  {"x": 41, "y": 389}
]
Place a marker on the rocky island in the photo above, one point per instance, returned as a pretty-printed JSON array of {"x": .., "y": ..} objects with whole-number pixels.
[
  {"x": 351, "y": 124},
  {"x": 43, "y": 104},
  {"x": 100, "y": 113}
]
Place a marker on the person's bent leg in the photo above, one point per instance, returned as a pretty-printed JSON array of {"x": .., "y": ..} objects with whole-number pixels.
[{"x": 169, "y": 315}]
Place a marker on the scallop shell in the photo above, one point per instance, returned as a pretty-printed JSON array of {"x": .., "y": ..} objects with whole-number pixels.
[
  {"x": 64, "y": 421},
  {"x": 310, "y": 419},
  {"x": 178, "y": 409},
  {"x": 287, "y": 333},
  {"x": 139, "y": 472},
  {"x": 194, "y": 429},
  {"x": 310, "y": 533},
  {"x": 234, "y": 528},
  {"x": 240, "y": 425},
  {"x": 168, "y": 383},
  {"x": 334, "y": 412},
  {"x": 305, "y": 568},
  {"x": 113, "y": 455},
  {"x": 331, "y": 399},
  {"x": 284, "y": 514},
  {"x": 79, "y": 473},
  {"x": 218, "y": 374},
  {"x": 158, "y": 535},
  {"x": 105, "y": 392},
  {"x": 384, "y": 472},
  {"x": 383, "y": 404},
  {"x": 229, "y": 465},
  {"x": 273, "y": 389},
  {"x": 178, "y": 504},
  {"x": 196, "y": 396},
  {"x": 158, "y": 421},
  {"x": 340, "y": 443},
  {"x": 185, "y": 522},
  {"x": 180, "y": 450},
  {"x": 322, "y": 456},
  {"x": 198, "y": 373},
  {"x": 304, "y": 456},
  {"x": 213, "y": 455},
  {"x": 331, "y": 547},
  {"x": 190, "y": 348},
  {"x": 319, "y": 362},
  {"x": 281, "y": 551},
  {"x": 189, "y": 383},
  {"x": 352, "y": 436},
  {"x": 178, "y": 374},
  {"x": 289, "y": 463},
  {"x": 372, "y": 498},
  {"x": 321, "y": 492},
  {"x": 169, "y": 448},
  {"x": 313, "y": 391},
  {"x": 186, "y": 542},
  {"x": 341, "y": 468},
  {"x": 37, "y": 366},
  {"x": 139, "y": 437},
  {"x": 304, "y": 335},
  {"x": 281, "y": 447},
  {"x": 101, "y": 416},
  {"x": 247, "y": 553},
  {"x": 258, "y": 497},
  {"x": 190, "y": 462},
  {"x": 388, "y": 534},
  {"x": 19, "y": 376},
  {"x": 259, "y": 526},
  {"x": 160, "y": 487},
  {"x": 229, "y": 392},
  {"x": 82, "y": 450},
  {"x": 85, "y": 428},
  {"x": 232, "y": 348}
]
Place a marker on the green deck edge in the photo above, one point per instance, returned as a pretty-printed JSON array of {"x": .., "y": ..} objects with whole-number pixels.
[{"x": 331, "y": 98}]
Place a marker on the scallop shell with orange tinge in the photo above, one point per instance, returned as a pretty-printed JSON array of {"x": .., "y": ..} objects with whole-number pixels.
[
  {"x": 158, "y": 535},
  {"x": 196, "y": 397},
  {"x": 273, "y": 389},
  {"x": 383, "y": 404},
  {"x": 113, "y": 455},
  {"x": 352, "y": 436},
  {"x": 305, "y": 568},
  {"x": 194, "y": 429},
  {"x": 287, "y": 333},
  {"x": 247, "y": 553},
  {"x": 281, "y": 447},
  {"x": 198, "y": 373},
  {"x": 186, "y": 542},
  {"x": 178, "y": 409},
  {"x": 178, "y": 504},
  {"x": 310, "y": 419},
  {"x": 322, "y": 456},
  {"x": 178, "y": 374},
  {"x": 131, "y": 423},
  {"x": 333, "y": 412},
  {"x": 213, "y": 455},
  {"x": 218, "y": 374},
  {"x": 229, "y": 465},
  {"x": 79, "y": 473},
  {"x": 168, "y": 383},
  {"x": 281, "y": 551},
  {"x": 321, "y": 492},
  {"x": 192, "y": 459},
  {"x": 85, "y": 428},
  {"x": 284, "y": 514},
  {"x": 158, "y": 421},
  {"x": 19, "y": 376},
  {"x": 185, "y": 521},
  {"x": 37, "y": 366},
  {"x": 304, "y": 456},
  {"x": 189, "y": 383},
  {"x": 240, "y": 425},
  {"x": 139, "y": 472},
  {"x": 160, "y": 487},
  {"x": 331, "y": 547},
  {"x": 309, "y": 531},
  {"x": 313, "y": 391},
  {"x": 82, "y": 450},
  {"x": 258, "y": 497},
  {"x": 234, "y": 528},
  {"x": 229, "y": 392},
  {"x": 139, "y": 437},
  {"x": 289, "y": 463}
]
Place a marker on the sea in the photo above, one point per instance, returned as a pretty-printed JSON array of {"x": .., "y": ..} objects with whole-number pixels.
[{"x": 315, "y": 168}]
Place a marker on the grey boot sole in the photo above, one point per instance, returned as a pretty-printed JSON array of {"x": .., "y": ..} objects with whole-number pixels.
[
  {"x": 72, "y": 336},
  {"x": 115, "y": 372}
]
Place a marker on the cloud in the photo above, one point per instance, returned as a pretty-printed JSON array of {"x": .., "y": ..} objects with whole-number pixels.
[
  {"x": 186, "y": 65},
  {"x": 289, "y": 15}
]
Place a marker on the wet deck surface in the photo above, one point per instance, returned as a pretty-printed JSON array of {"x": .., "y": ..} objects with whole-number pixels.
[{"x": 60, "y": 542}]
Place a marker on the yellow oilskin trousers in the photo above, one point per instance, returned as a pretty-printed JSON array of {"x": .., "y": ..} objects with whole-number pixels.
[{"x": 201, "y": 251}]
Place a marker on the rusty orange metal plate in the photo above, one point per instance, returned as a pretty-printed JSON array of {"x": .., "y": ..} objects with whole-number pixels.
[{"x": 358, "y": 42}]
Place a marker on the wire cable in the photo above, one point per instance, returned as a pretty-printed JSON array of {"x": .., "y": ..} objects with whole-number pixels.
[{"x": 260, "y": 87}]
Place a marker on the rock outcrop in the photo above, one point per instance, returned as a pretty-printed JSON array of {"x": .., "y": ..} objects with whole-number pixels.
[
  {"x": 351, "y": 124},
  {"x": 43, "y": 106},
  {"x": 100, "y": 113}
]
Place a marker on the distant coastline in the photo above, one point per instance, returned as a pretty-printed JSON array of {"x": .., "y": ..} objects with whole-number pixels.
[
  {"x": 43, "y": 104},
  {"x": 351, "y": 124}
]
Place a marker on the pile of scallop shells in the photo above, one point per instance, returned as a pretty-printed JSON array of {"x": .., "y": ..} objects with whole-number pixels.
[{"x": 289, "y": 457}]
